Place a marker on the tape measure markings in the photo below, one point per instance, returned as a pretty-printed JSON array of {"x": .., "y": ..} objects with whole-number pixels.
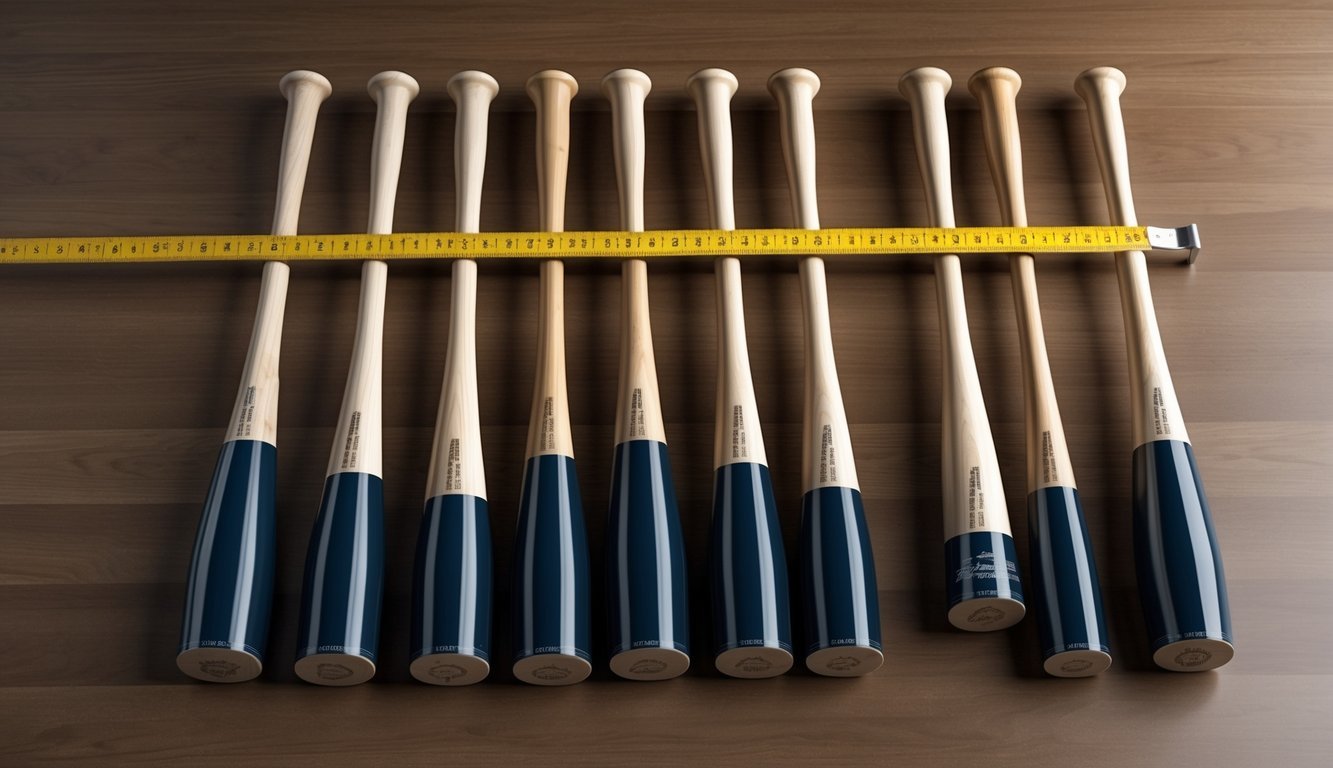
[{"x": 595, "y": 245}]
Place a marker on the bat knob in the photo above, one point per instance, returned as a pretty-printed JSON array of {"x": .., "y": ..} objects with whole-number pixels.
[
  {"x": 916, "y": 82},
  {"x": 788, "y": 81},
  {"x": 988, "y": 79},
  {"x": 1104, "y": 80},
  {"x": 556, "y": 78},
  {"x": 382, "y": 83},
  {"x": 622, "y": 80},
  {"x": 300, "y": 79},
  {"x": 706, "y": 80},
  {"x": 471, "y": 81}
]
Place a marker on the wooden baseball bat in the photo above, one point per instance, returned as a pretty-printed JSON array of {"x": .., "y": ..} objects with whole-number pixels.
[
  {"x": 1071, "y": 625},
  {"x": 984, "y": 590},
  {"x": 1181, "y": 583},
  {"x": 840, "y": 595},
  {"x": 647, "y": 595},
  {"x": 451, "y": 603},
  {"x": 344, "y": 570},
  {"x": 552, "y": 617},
  {"x": 751, "y": 621},
  {"x": 224, "y": 631}
]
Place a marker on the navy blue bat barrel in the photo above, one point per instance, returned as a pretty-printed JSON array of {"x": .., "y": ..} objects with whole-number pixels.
[
  {"x": 338, "y": 637},
  {"x": 451, "y": 598},
  {"x": 647, "y": 597},
  {"x": 225, "y": 627},
  {"x": 552, "y": 616},
  {"x": 1068, "y": 595},
  {"x": 984, "y": 588},
  {"x": 1181, "y": 584},
  {"x": 840, "y": 595},
  {"x": 751, "y": 619}
]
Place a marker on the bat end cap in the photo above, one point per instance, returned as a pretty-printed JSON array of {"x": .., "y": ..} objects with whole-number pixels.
[
  {"x": 1077, "y": 663},
  {"x": 754, "y": 662},
  {"x": 453, "y": 669},
  {"x": 335, "y": 669},
  {"x": 1194, "y": 655},
  {"x": 650, "y": 663},
  {"x": 470, "y": 79},
  {"x": 304, "y": 77},
  {"x": 845, "y": 661},
  {"x": 219, "y": 665},
  {"x": 986, "y": 614},
  {"x": 552, "y": 669}
]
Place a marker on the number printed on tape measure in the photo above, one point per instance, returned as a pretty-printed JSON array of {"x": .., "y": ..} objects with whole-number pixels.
[{"x": 683, "y": 243}]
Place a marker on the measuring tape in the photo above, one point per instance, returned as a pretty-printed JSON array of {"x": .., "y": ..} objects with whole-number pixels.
[{"x": 597, "y": 245}]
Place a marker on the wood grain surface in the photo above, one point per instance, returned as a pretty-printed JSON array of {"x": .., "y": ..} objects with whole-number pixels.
[{"x": 142, "y": 117}]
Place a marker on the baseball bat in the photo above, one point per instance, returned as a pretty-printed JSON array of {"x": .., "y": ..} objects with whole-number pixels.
[
  {"x": 451, "y": 602},
  {"x": 751, "y": 621},
  {"x": 647, "y": 596},
  {"x": 839, "y": 592},
  {"x": 224, "y": 631},
  {"x": 552, "y": 617},
  {"x": 1181, "y": 583},
  {"x": 981, "y": 567},
  {"x": 344, "y": 570},
  {"x": 1070, "y": 623}
]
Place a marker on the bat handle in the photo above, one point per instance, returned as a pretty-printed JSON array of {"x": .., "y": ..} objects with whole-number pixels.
[
  {"x": 472, "y": 92},
  {"x": 795, "y": 90},
  {"x": 627, "y": 89},
  {"x": 393, "y": 92},
  {"x": 305, "y": 91},
  {"x": 925, "y": 89},
  {"x": 551, "y": 92},
  {"x": 712, "y": 90},
  {"x": 1100, "y": 89},
  {"x": 996, "y": 90}
]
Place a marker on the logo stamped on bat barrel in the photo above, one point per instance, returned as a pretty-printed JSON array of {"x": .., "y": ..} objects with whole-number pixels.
[
  {"x": 1193, "y": 657},
  {"x": 332, "y": 672},
  {"x": 843, "y": 664},
  {"x": 754, "y": 664},
  {"x": 550, "y": 673},
  {"x": 219, "y": 668},
  {"x": 447, "y": 672},
  {"x": 648, "y": 667}
]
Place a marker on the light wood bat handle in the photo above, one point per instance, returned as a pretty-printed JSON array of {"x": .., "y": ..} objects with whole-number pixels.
[
  {"x": 549, "y": 430},
  {"x": 827, "y": 447},
  {"x": 639, "y": 405},
  {"x": 358, "y": 438},
  {"x": 255, "y": 414},
  {"x": 456, "y": 465},
  {"x": 1153, "y": 401},
  {"x": 737, "y": 437},
  {"x": 1048, "y": 464}
]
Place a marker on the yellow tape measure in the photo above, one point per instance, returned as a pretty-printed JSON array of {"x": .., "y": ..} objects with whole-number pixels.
[{"x": 596, "y": 245}]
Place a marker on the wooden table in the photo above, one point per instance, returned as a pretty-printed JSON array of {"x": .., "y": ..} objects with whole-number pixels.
[{"x": 116, "y": 383}]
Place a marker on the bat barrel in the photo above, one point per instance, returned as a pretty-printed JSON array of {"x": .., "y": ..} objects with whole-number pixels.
[
  {"x": 451, "y": 604},
  {"x": 751, "y": 622},
  {"x": 647, "y": 594},
  {"x": 840, "y": 594},
  {"x": 552, "y": 625},
  {"x": 981, "y": 567},
  {"x": 1067, "y": 594},
  {"x": 1182, "y": 586},
  {"x": 224, "y": 631}
]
